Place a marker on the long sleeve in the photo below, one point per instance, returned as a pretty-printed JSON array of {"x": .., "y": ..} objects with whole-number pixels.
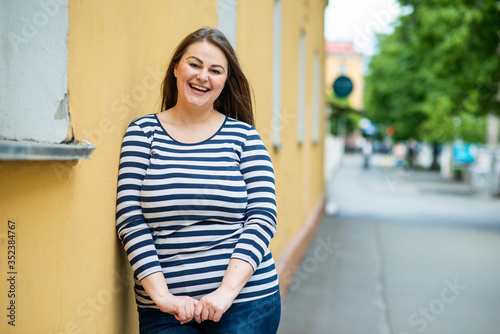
[
  {"x": 131, "y": 226},
  {"x": 260, "y": 215}
]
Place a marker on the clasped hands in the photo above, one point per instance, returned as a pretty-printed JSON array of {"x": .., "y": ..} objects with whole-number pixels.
[{"x": 210, "y": 307}]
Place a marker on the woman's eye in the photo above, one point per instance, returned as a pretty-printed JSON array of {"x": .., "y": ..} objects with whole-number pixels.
[
  {"x": 216, "y": 71},
  {"x": 194, "y": 65}
]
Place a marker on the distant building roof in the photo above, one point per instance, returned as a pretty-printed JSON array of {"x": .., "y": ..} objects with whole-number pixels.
[{"x": 340, "y": 48}]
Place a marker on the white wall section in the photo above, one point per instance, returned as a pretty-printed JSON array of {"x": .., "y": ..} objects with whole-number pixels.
[
  {"x": 301, "y": 102},
  {"x": 33, "y": 70},
  {"x": 277, "y": 73},
  {"x": 227, "y": 17}
]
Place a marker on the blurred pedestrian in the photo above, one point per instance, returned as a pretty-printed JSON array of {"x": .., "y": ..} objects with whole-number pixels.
[
  {"x": 399, "y": 152},
  {"x": 412, "y": 152},
  {"x": 196, "y": 205},
  {"x": 386, "y": 150},
  {"x": 367, "y": 151}
]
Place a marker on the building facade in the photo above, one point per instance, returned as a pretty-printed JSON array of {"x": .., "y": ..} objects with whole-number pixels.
[
  {"x": 96, "y": 66},
  {"x": 343, "y": 59}
]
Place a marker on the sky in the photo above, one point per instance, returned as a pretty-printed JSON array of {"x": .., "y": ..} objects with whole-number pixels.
[{"x": 357, "y": 21}]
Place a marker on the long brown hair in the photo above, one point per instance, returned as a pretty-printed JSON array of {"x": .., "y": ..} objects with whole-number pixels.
[{"x": 235, "y": 99}]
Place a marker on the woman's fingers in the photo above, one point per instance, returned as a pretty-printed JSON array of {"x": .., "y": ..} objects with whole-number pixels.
[
  {"x": 185, "y": 309},
  {"x": 181, "y": 313},
  {"x": 205, "y": 313},
  {"x": 197, "y": 312},
  {"x": 206, "y": 310},
  {"x": 189, "y": 312},
  {"x": 217, "y": 316}
]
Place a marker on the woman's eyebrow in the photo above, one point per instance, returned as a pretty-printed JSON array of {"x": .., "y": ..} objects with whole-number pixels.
[
  {"x": 222, "y": 67},
  {"x": 198, "y": 59}
]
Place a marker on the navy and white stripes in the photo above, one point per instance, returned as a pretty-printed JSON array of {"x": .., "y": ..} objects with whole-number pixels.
[{"x": 187, "y": 209}]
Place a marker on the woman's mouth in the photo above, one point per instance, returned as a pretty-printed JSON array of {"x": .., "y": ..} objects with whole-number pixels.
[{"x": 199, "y": 88}]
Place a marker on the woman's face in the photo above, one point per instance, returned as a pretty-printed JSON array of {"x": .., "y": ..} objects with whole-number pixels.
[{"x": 201, "y": 74}]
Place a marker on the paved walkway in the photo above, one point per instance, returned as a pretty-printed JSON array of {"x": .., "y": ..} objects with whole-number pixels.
[{"x": 408, "y": 252}]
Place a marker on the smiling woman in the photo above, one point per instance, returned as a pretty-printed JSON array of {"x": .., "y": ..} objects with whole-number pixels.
[
  {"x": 201, "y": 75},
  {"x": 235, "y": 100},
  {"x": 196, "y": 206}
]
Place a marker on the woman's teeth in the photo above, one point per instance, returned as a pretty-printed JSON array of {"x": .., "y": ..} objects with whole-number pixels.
[{"x": 202, "y": 89}]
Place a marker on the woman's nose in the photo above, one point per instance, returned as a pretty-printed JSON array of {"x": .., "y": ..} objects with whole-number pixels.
[{"x": 202, "y": 76}]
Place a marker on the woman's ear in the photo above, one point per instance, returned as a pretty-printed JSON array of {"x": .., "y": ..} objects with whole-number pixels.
[{"x": 175, "y": 70}]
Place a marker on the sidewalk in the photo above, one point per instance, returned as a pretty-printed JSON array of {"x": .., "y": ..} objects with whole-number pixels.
[{"x": 408, "y": 252}]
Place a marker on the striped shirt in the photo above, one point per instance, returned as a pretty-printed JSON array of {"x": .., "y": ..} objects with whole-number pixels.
[{"x": 187, "y": 209}]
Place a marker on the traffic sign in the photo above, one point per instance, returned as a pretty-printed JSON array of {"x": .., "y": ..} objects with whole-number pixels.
[{"x": 342, "y": 86}]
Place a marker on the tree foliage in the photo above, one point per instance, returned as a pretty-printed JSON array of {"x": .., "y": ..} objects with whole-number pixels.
[
  {"x": 437, "y": 75},
  {"x": 342, "y": 111}
]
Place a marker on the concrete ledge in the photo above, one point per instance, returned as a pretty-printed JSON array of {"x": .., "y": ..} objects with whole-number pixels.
[
  {"x": 292, "y": 255},
  {"x": 27, "y": 150}
]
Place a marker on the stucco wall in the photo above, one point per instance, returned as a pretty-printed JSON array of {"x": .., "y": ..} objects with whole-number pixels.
[{"x": 72, "y": 275}]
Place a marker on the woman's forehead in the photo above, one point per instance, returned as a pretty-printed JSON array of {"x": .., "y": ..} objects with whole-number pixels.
[{"x": 206, "y": 52}]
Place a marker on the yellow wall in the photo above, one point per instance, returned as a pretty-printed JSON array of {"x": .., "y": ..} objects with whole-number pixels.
[
  {"x": 73, "y": 276},
  {"x": 298, "y": 167},
  {"x": 353, "y": 69}
]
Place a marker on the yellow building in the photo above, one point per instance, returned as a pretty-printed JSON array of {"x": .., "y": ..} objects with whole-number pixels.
[
  {"x": 75, "y": 76},
  {"x": 343, "y": 59}
]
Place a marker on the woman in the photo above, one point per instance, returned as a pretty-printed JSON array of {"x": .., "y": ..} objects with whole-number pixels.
[{"x": 196, "y": 205}]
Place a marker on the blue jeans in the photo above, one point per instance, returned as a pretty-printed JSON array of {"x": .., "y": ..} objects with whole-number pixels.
[{"x": 261, "y": 316}]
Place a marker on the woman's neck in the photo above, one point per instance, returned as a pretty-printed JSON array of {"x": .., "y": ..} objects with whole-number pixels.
[
  {"x": 191, "y": 126},
  {"x": 187, "y": 116}
]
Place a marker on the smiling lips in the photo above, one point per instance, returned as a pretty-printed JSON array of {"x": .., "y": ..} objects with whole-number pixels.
[{"x": 199, "y": 88}]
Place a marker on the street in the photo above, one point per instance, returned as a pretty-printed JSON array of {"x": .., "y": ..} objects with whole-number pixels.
[{"x": 407, "y": 252}]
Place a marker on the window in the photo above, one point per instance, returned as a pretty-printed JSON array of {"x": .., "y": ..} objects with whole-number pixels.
[
  {"x": 342, "y": 69},
  {"x": 316, "y": 91},
  {"x": 277, "y": 74},
  {"x": 301, "y": 103},
  {"x": 227, "y": 19}
]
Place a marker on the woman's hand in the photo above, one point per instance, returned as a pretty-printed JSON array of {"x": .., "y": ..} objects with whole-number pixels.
[
  {"x": 181, "y": 307},
  {"x": 214, "y": 305}
]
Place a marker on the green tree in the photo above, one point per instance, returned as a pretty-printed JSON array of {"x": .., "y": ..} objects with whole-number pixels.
[
  {"x": 342, "y": 111},
  {"x": 437, "y": 75}
]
